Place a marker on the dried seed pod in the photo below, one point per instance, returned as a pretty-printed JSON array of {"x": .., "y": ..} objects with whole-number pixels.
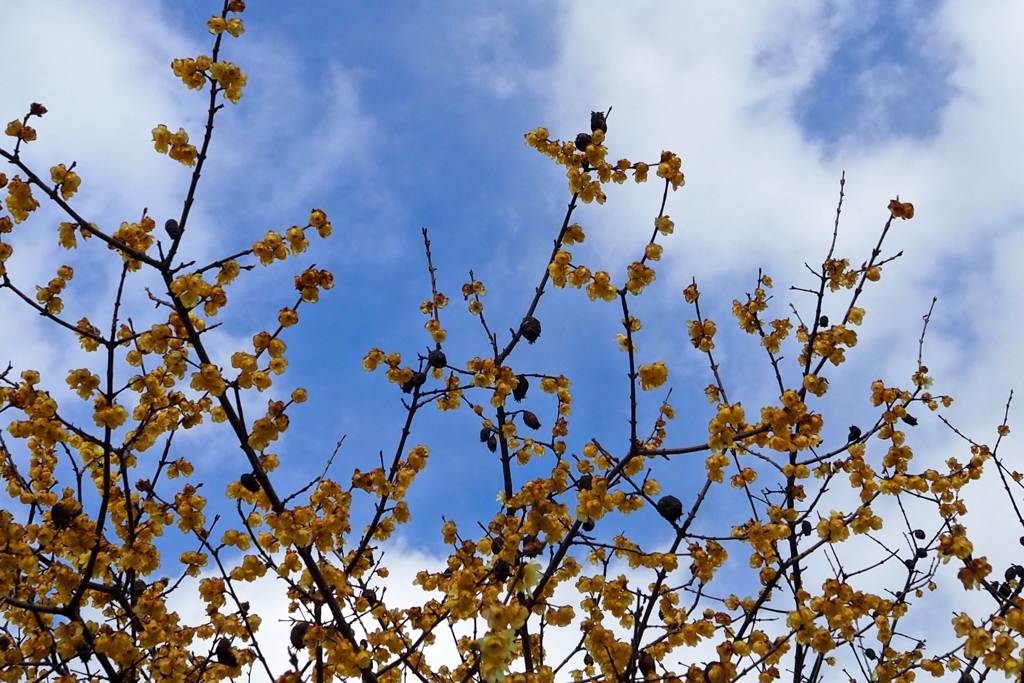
[
  {"x": 519, "y": 393},
  {"x": 172, "y": 228},
  {"x": 870, "y": 654},
  {"x": 806, "y": 528},
  {"x": 919, "y": 534},
  {"x": 670, "y": 508},
  {"x": 530, "y": 328},
  {"x": 533, "y": 548},
  {"x": 582, "y": 141},
  {"x": 224, "y": 654},
  {"x": 84, "y": 651},
  {"x": 854, "y": 434},
  {"x": 910, "y": 420},
  {"x": 598, "y": 122},
  {"x": 416, "y": 382},
  {"x": 298, "y": 633},
  {"x": 492, "y": 443},
  {"x": 588, "y": 525},
  {"x": 502, "y": 570},
  {"x": 64, "y": 513},
  {"x": 585, "y": 482},
  {"x": 485, "y": 433},
  {"x": 497, "y": 545},
  {"x": 922, "y": 553},
  {"x": 530, "y": 420},
  {"x": 371, "y": 596},
  {"x": 437, "y": 359},
  {"x": 646, "y": 663},
  {"x": 823, "y": 321},
  {"x": 250, "y": 482},
  {"x": 588, "y": 660},
  {"x": 1004, "y": 590}
]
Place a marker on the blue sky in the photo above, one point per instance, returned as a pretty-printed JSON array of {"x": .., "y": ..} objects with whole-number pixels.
[{"x": 394, "y": 116}]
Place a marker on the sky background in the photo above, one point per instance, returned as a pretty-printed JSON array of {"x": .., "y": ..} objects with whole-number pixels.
[{"x": 396, "y": 116}]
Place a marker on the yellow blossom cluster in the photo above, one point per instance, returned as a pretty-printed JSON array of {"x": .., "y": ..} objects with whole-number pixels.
[
  {"x": 65, "y": 180},
  {"x": 230, "y": 79},
  {"x": 702, "y": 334},
  {"x": 20, "y": 201},
  {"x": 49, "y": 296},
  {"x": 174, "y": 145},
  {"x": 192, "y": 71}
]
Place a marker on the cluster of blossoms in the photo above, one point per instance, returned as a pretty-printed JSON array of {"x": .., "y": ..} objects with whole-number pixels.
[
  {"x": 20, "y": 201},
  {"x": 174, "y": 145},
  {"x": 49, "y": 296}
]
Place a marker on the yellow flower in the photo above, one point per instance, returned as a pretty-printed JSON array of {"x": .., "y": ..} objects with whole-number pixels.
[{"x": 653, "y": 375}]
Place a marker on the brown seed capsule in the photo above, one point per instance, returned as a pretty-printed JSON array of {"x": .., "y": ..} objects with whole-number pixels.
[
  {"x": 485, "y": 433},
  {"x": 588, "y": 525},
  {"x": 519, "y": 393},
  {"x": 64, "y": 513},
  {"x": 371, "y": 596},
  {"x": 646, "y": 663},
  {"x": 224, "y": 654},
  {"x": 670, "y": 508},
  {"x": 910, "y": 420},
  {"x": 84, "y": 650},
  {"x": 416, "y": 382},
  {"x": 533, "y": 548},
  {"x": 597, "y": 121},
  {"x": 250, "y": 482},
  {"x": 582, "y": 141},
  {"x": 919, "y": 534},
  {"x": 172, "y": 228},
  {"x": 854, "y": 434},
  {"x": 805, "y": 528},
  {"x": 530, "y": 328},
  {"x": 530, "y": 420},
  {"x": 492, "y": 443},
  {"x": 502, "y": 570},
  {"x": 585, "y": 482},
  {"x": 870, "y": 654},
  {"x": 437, "y": 359},
  {"x": 497, "y": 545},
  {"x": 298, "y": 633},
  {"x": 588, "y": 660},
  {"x": 36, "y": 109}
]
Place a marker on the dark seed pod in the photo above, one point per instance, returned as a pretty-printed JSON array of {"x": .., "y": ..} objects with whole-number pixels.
[
  {"x": 530, "y": 420},
  {"x": 646, "y": 663},
  {"x": 84, "y": 650},
  {"x": 1004, "y": 590},
  {"x": 502, "y": 570},
  {"x": 530, "y": 328},
  {"x": 910, "y": 420},
  {"x": 588, "y": 525},
  {"x": 1021, "y": 540},
  {"x": 244, "y": 608},
  {"x": 670, "y": 508},
  {"x": 224, "y": 654},
  {"x": 806, "y": 528},
  {"x": 919, "y": 534},
  {"x": 250, "y": 482},
  {"x": 298, "y": 633},
  {"x": 582, "y": 141},
  {"x": 497, "y": 545},
  {"x": 371, "y": 596},
  {"x": 139, "y": 587},
  {"x": 172, "y": 228},
  {"x": 1019, "y": 570},
  {"x": 533, "y": 548},
  {"x": 966, "y": 677},
  {"x": 870, "y": 654},
  {"x": 922, "y": 553},
  {"x": 485, "y": 433},
  {"x": 519, "y": 393},
  {"x": 588, "y": 660},
  {"x": 597, "y": 121},
  {"x": 909, "y": 564},
  {"x": 416, "y": 382},
  {"x": 437, "y": 359},
  {"x": 64, "y": 513},
  {"x": 823, "y": 321},
  {"x": 492, "y": 443},
  {"x": 1010, "y": 573},
  {"x": 585, "y": 482},
  {"x": 854, "y": 434}
]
